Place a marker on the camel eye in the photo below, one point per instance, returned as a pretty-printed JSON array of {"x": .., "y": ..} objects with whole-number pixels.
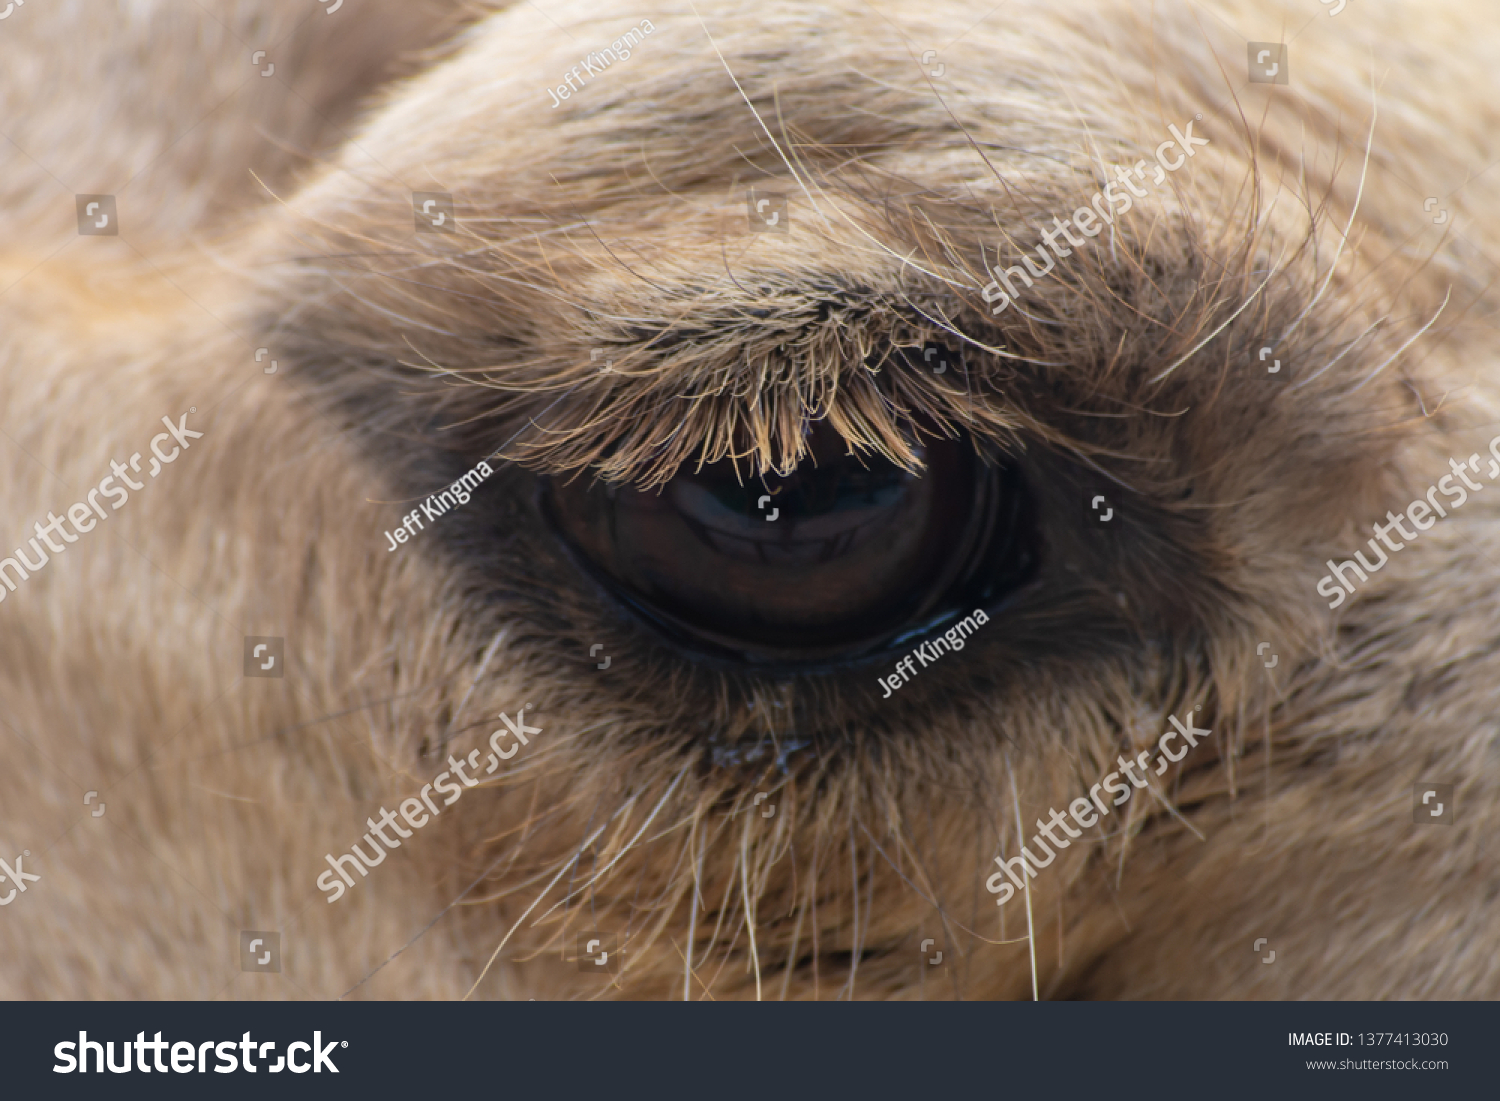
[{"x": 837, "y": 560}]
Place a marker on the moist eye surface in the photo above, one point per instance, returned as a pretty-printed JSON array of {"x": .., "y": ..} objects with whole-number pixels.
[{"x": 833, "y": 561}]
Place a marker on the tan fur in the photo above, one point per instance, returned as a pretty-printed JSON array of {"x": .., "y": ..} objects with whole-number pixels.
[{"x": 617, "y": 221}]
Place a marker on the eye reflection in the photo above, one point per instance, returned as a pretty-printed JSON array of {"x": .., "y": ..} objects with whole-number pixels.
[
  {"x": 807, "y": 519},
  {"x": 830, "y": 562}
]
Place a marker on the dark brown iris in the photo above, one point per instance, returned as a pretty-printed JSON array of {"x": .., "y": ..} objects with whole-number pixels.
[{"x": 834, "y": 560}]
